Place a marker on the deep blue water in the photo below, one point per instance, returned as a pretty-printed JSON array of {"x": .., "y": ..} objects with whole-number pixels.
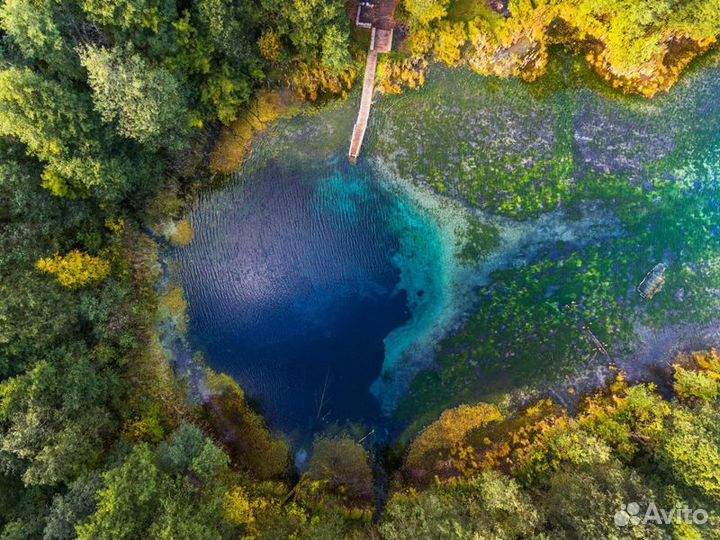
[{"x": 291, "y": 284}]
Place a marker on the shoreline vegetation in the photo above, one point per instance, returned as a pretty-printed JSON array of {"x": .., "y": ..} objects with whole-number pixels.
[
  {"x": 107, "y": 108},
  {"x": 233, "y": 142},
  {"x": 637, "y": 51}
]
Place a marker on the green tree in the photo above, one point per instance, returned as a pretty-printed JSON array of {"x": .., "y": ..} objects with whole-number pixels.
[
  {"x": 427, "y": 11},
  {"x": 316, "y": 28},
  {"x": 557, "y": 448},
  {"x": 145, "y": 103},
  {"x": 343, "y": 466},
  {"x": 128, "y": 499},
  {"x": 34, "y": 316},
  {"x": 56, "y": 416},
  {"x": 225, "y": 92},
  {"x": 249, "y": 442},
  {"x": 174, "y": 491},
  {"x": 71, "y": 507},
  {"x": 38, "y": 28},
  {"x": 146, "y": 23},
  {"x": 689, "y": 449},
  {"x": 699, "y": 385},
  {"x": 58, "y": 126},
  {"x": 21, "y": 507},
  {"x": 232, "y": 28},
  {"x": 231, "y": 31},
  {"x": 581, "y": 501},
  {"x": 489, "y": 506},
  {"x": 335, "y": 53}
]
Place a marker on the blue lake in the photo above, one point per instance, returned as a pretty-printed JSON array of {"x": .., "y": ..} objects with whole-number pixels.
[
  {"x": 324, "y": 288},
  {"x": 292, "y": 282}
]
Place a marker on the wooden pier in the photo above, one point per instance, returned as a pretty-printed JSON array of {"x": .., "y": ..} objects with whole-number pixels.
[
  {"x": 381, "y": 35},
  {"x": 363, "y": 116}
]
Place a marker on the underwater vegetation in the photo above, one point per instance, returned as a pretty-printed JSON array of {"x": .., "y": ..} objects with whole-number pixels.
[{"x": 519, "y": 151}]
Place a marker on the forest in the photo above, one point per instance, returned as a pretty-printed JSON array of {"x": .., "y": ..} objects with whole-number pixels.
[{"x": 108, "y": 113}]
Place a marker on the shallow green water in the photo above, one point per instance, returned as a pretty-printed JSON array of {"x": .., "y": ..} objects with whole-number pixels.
[{"x": 604, "y": 187}]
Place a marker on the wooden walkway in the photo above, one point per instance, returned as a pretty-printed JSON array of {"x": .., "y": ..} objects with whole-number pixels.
[
  {"x": 380, "y": 42},
  {"x": 358, "y": 133}
]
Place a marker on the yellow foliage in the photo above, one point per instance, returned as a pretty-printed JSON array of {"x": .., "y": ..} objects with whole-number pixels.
[
  {"x": 174, "y": 301},
  {"x": 426, "y": 11},
  {"x": 438, "y": 440},
  {"x": 623, "y": 415},
  {"x": 115, "y": 225},
  {"x": 393, "y": 75},
  {"x": 55, "y": 183},
  {"x": 697, "y": 376},
  {"x": 618, "y": 385},
  {"x": 181, "y": 233},
  {"x": 240, "y": 508},
  {"x": 76, "y": 269},
  {"x": 420, "y": 41},
  {"x": 526, "y": 433},
  {"x": 638, "y": 48},
  {"x": 641, "y": 49},
  {"x": 707, "y": 361},
  {"x": 147, "y": 426},
  {"x": 310, "y": 82},
  {"x": 233, "y": 144},
  {"x": 694, "y": 385},
  {"x": 514, "y": 47},
  {"x": 144, "y": 429},
  {"x": 270, "y": 45},
  {"x": 450, "y": 39},
  {"x": 174, "y": 306},
  {"x": 500, "y": 445}
]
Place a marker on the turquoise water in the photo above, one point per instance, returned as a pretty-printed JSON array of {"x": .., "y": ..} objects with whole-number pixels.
[
  {"x": 335, "y": 293},
  {"x": 589, "y": 190}
]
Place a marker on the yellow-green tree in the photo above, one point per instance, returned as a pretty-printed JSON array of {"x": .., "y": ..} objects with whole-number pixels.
[
  {"x": 440, "y": 438},
  {"x": 427, "y": 11},
  {"x": 450, "y": 40},
  {"x": 247, "y": 439},
  {"x": 343, "y": 465},
  {"x": 76, "y": 269},
  {"x": 270, "y": 45}
]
